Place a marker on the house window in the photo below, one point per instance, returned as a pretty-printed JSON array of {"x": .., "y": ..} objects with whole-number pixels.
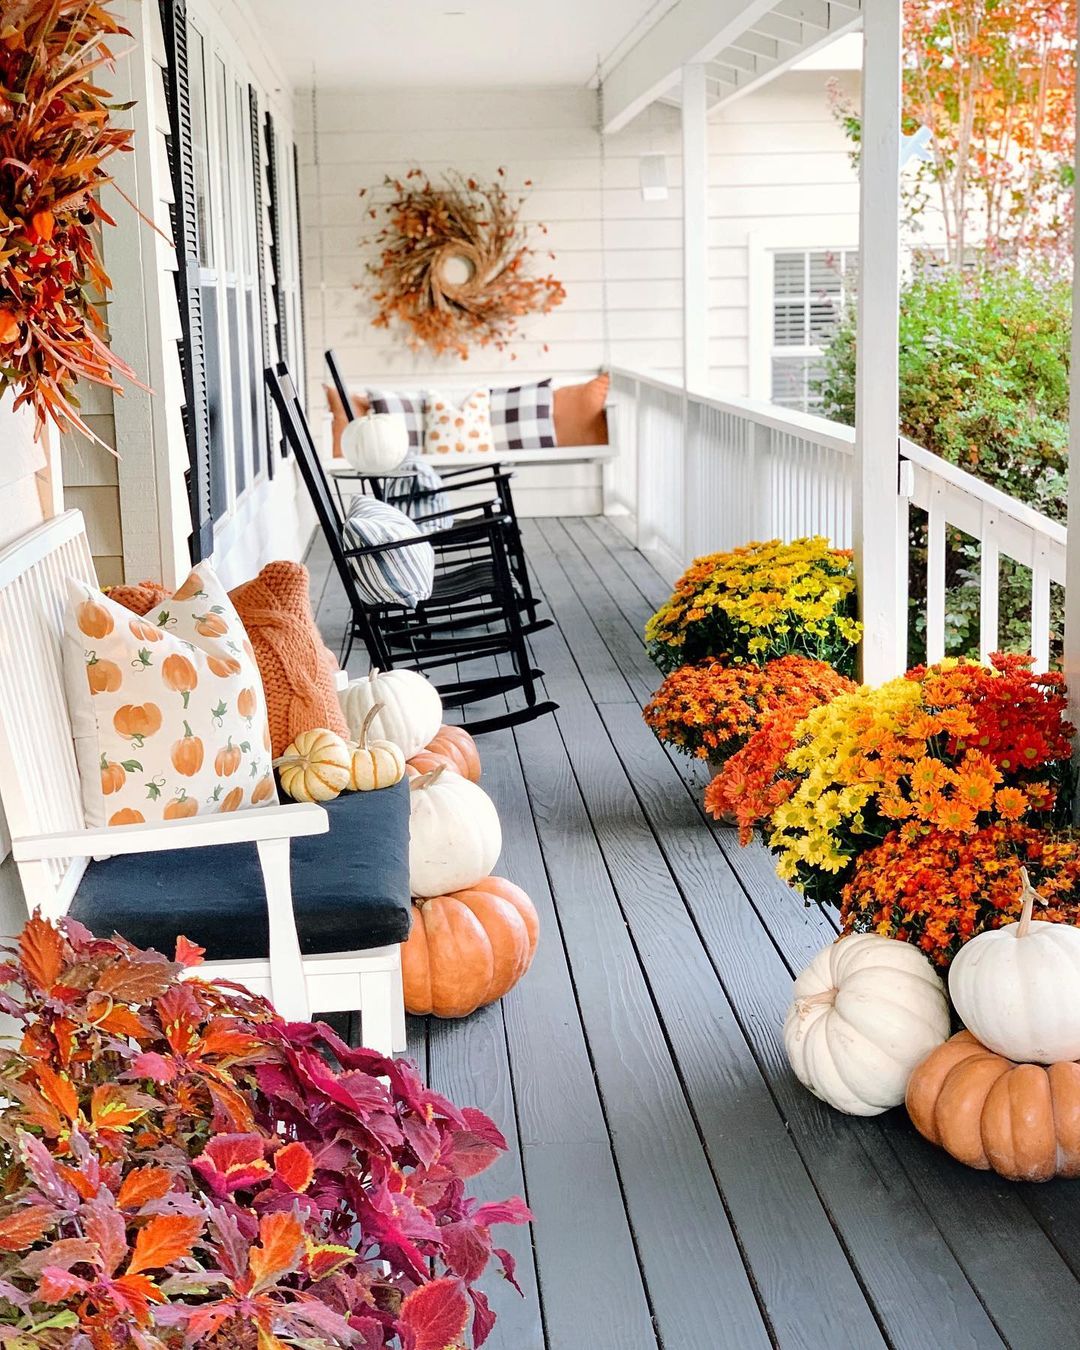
[{"x": 809, "y": 288}]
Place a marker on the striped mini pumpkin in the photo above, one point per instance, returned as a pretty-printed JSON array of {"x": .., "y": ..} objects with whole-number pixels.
[{"x": 402, "y": 576}]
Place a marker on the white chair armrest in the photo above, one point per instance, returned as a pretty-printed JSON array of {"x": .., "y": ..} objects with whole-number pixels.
[{"x": 234, "y": 827}]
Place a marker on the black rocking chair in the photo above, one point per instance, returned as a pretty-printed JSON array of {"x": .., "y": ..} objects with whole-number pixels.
[
  {"x": 469, "y": 478},
  {"x": 475, "y": 609}
]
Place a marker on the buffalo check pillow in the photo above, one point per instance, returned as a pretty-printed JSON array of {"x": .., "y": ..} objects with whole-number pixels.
[
  {"x": 167, "y": 711},
  {"x": 523, "y": 418},
  {"x": 409, "y": 406}
]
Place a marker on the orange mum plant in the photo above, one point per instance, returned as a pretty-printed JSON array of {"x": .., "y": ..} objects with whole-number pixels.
[
  {"x": 710, "y": 710},
  {"x": 56, "y": 133},
  {"x": 453, "y": 264}
]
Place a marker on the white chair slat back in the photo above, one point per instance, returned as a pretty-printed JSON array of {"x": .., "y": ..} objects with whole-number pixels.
[{"x": 39, "y": 778}]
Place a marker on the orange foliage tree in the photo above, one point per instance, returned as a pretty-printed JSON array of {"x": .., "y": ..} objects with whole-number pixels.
[{"x": 994, "y": 81}]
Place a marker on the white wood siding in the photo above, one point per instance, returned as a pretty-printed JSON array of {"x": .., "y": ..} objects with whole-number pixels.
[{"x": 774, "y": 156}]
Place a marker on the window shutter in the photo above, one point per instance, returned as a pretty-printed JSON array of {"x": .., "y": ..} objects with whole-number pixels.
[
  {"x": 189, "y": 298},
  {"x": 301, "y": 317},
  {"x": 260, "y": 261},
  {"x": 273, "y": 185}
]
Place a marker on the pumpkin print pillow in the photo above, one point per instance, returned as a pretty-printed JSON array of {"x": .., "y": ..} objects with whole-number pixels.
[
  {"x": 458, "y": 428},
  {"x": 167, "y": 710}
]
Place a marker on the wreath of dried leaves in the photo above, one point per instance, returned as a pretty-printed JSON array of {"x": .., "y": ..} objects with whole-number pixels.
[
  {"x": 428, "y": 227},
  {"x": 56, "y": 132}
]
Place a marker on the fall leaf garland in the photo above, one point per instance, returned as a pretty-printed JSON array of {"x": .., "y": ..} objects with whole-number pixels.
[
  {"x": 428, "y": 227},
  {"x": 56, "y": 132}
]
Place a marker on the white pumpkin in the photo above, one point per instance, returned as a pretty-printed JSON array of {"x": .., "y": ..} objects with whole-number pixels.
[
  {"x": 316, "y": 767},
  {"x": 377, "y": 443},
  {"x": 867, "y": 1010},
  {"x": 454, "y": 833},
  {"x": 375, "y": 764},
  {"x": 1017, "y": 988},
  {"x": 411, "y": 709}
]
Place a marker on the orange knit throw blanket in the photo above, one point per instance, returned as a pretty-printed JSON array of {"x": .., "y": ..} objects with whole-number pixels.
[{"x": 297, "y": 671}]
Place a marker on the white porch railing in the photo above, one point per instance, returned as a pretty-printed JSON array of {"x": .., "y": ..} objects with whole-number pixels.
[{"x": 698, "y": 474}]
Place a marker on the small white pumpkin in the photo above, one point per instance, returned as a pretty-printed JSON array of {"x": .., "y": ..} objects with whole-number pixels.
[
  {"x": 867, "y": 1010},
  {"x": 410, "y": 714},
  {"x": 316, "y": 767},
  {"x": 377, "y": 443},
  {"x": 375, "y": 764},
  {"x": 454, "y": 833},
  {"x": 1017, "y": 988}
]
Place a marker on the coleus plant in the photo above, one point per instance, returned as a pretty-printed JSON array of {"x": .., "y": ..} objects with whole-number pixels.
[{"x": 180, "y": 1167}]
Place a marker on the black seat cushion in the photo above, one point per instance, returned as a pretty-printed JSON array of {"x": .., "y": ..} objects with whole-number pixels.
[{"x": 350, "y": 887}]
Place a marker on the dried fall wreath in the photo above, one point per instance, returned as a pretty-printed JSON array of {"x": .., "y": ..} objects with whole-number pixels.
[
  {"x": 56, "y": 132},
  {"x": 452, "y": 263}
]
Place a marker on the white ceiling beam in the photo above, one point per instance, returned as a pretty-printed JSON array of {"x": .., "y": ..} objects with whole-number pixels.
[
  {"x": 848, "y": 23},
  {"x": 692, "y": 33},
  {"x": 810, "y": 13},
  {"x": 756, "y": 44},
  {"x": 781, "y": 29}
]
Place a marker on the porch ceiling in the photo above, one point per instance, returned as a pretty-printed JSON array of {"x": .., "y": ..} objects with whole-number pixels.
[{"x": 742, "y": 43}]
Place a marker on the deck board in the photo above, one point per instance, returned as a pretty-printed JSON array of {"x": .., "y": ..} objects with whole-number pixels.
[{"x": 687, "y": 1192}]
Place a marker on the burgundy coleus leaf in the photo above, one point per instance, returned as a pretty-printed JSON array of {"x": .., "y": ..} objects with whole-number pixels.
[
  {"x": 57, "y": 1286},
  {"x": 435, "y": 1315},
  {"x": 384, "y": 1228},
  {"x": 154, "y": 1066},
  {"x": 106, "y": 1228},
  {"x": 423, "y": 1136},
  {"x": 46, "y": 1175},
  {"x": 278, "y": 1085},
  {"x": 233, "y": 1162},
  {"x": 509, "y": 1268},
  {"x": 61, "y": 1254},
  {"x": 138, "y": 981},
  {"x": 229, "y": 1244},
  {"x": 476, "y": 1147},
  {"x": 513, "y": 1210},
  {"x": 483, "y": 1317},
  {"x": 466, "y": 1249},
  {"x": 415, "y": 1093}
]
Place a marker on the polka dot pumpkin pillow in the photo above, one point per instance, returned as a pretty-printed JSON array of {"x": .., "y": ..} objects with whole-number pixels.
[
  {"x": 167, "y": 711},
  {"x": 458, "y": 428}
]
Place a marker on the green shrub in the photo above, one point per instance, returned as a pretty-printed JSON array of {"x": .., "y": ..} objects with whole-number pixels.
[{"x": 984, "y": 383}]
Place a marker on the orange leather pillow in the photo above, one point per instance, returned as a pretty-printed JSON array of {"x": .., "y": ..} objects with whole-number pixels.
[
  {"x": 361, "y": 407},
  {"x": 297, "y": 670},
  {"x": 580, "y": 418}
]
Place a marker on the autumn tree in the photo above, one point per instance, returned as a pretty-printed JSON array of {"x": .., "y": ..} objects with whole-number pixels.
[{"x": 994, "y": 82}]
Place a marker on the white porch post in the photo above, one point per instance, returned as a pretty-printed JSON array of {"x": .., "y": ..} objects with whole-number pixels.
[
  {"x": 878, "y": 552},
  {"x": 695, "y": 178},
  {"x": 1071, "y": 661}
]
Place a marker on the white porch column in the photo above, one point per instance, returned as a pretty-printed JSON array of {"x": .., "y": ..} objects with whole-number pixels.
[
  {"x": 878, "y": 552},
  {"x": 1071, "y": 660},
  {"x": 695, "y": 178}
]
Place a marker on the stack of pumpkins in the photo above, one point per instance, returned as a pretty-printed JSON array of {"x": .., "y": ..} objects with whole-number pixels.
[
  {"x": 473, "y": 935},
  {"x": 869, "y": 1029}
]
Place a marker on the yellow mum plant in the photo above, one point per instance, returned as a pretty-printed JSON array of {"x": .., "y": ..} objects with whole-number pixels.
[{"x": 760, "y": 602}]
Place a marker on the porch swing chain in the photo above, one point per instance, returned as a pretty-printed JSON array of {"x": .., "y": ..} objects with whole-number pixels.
[{"x": 604, "y": 315}]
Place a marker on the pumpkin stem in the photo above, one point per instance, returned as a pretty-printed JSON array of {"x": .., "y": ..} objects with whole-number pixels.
[
  {"x": 1028, "y": 896},
  {"x": 803, "y": 1005},
  {"x": 372, "y": 713},
  {"x": 373, "y": 674},
  {"x": 288, "y": 759},
  {"x": 425, "y": 780}
]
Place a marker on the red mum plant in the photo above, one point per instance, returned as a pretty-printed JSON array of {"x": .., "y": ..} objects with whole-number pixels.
[
  {"x": 180, "y": 1167},
  {"x": 55, "y": 136}
]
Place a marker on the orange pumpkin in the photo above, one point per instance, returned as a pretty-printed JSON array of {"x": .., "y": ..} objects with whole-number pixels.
[
  {"x": 453, "y": 747},
  {"x": 187, "y": 753},
  {"x": 190, "y": 589},
  {"x": 93, "y": 619},
  {"x": 136, "y": 721},
  {"x": 127, "y": 817},
  {"x": 145, "y": 631},
  {"x": 227, "y": 759},
  {"x": 1020, "y": 1120},
  {"x": 181, "y": 807},
  {"x": 104, "y": 677},
  {"x": 210, "y": 624},
  {"x": 114, "y": 776},
  {"x": 179, "y": 674},
  {"x": 232, "y": 799},
  {"x": 224, "y": 666},
  {"x": 246, "y": 703},
  {"x": 468, "y": 948},
  {"x": 263, "y": 790}
]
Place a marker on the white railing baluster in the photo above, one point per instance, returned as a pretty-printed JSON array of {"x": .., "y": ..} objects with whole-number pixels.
[
  {"x": 989, "y": 576},
  {"x": 1040, "y": 607}
]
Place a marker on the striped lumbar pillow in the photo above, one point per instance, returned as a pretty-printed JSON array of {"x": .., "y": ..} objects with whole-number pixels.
[{"x": 400, "y": 576}]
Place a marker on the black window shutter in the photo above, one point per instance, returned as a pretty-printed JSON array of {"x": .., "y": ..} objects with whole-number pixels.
[
  {"x": 273, "y": 182},
  {"x": 189, "y": 297},
  {"x": 301, "y": 355},
  {"x": 260, "y": 259}
]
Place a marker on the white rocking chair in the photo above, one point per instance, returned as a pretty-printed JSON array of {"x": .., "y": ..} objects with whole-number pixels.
[{"x": 52, "y": 845}]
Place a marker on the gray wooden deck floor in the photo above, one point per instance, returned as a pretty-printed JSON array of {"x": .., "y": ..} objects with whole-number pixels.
[{"x": 687, "y": 1192}]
